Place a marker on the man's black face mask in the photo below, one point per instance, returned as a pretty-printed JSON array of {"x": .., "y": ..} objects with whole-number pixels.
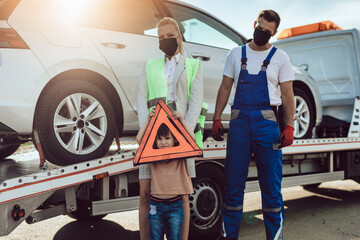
[
  {"x": 168, "y": 46},
  {"x": 261, "y": 37}
]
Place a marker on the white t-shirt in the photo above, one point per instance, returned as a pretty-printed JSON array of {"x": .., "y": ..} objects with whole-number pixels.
[{"x": 278, "y": 71}]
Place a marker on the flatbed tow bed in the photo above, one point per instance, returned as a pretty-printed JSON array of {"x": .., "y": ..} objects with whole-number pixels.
[
  {"x": 26, "y": 188},
  {"x": 106, "y": 185}
]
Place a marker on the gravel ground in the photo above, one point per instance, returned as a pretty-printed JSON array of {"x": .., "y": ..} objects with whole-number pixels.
[{"x": 330, "y": 212}]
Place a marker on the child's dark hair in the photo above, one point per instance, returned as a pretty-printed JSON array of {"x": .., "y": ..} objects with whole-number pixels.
[{"x": 162, "y": 132}]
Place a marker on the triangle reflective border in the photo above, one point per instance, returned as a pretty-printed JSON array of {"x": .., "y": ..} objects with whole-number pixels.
[{"x": 187, "y": 146}]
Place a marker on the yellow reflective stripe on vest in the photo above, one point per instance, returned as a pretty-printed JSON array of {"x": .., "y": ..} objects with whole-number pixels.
[
  {"x": 153, "y": 102},
  {"x": 191, "y": 66},
  {"x": 156, "y": 81},
  {"x": 199, "y": 129}
]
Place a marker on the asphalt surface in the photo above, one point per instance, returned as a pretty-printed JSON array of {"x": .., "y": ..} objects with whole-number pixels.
[{"x": 330, "y": 212}]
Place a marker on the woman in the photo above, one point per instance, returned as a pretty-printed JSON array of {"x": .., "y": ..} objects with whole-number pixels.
[{"x": 178, "y": 81}]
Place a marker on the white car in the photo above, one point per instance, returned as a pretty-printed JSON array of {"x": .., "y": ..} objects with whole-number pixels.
[{"x": 70, "y": 69}]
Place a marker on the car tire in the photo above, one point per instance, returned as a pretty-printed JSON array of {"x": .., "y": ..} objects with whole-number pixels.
[
  {"x": 206, "y": 202},
  {"x": 304, "y": 118},
  {"x": 7, "y": 150},
  {"x": 75, "y": 122}
]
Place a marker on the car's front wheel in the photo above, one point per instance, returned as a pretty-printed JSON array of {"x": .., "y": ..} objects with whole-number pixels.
[{"x": 75, "y": 122}]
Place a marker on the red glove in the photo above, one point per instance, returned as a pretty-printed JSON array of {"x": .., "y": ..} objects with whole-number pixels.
[
  {"x": 287, "y": 136},
  {"x": 217, "y": 130}
]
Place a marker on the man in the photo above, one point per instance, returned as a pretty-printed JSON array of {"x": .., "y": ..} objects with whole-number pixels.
[{"x": 256, "y": 70}]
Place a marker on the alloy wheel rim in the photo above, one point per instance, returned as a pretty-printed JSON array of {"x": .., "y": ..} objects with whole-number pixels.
[
  {"x": 80, "y": 123},
  {"x": 301, "y": 117}
]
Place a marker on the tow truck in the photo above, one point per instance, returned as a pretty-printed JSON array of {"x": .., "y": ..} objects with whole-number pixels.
[{"x": 93, "y": 189}]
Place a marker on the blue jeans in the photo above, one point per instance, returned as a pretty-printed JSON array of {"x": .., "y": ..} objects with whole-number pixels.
[{"x": 166, "y": 216}]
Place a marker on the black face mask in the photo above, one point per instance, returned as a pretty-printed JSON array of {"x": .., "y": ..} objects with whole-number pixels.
[
  {"x": 261, "y": 37},
  {"x": 168, "y": 46}
]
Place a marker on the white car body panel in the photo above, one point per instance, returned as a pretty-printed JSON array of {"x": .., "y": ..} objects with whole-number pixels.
[
  {"x": 127, "y": 61},
  {"x": 17, "y": 109},
  {"x": 303, "y": 77},
  {"x": 212, "y": 76}
]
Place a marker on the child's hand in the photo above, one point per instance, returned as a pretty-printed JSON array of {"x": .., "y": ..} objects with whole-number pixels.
[
  {"x": 177, "y": 115},
  {"x": 152, "y": 113}
]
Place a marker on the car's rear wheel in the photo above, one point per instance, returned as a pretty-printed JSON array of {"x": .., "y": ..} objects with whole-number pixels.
[
  {"x": 304, "y": 118},
  {"x": 75, "y": 122},
  {"x": 7, "y": 150}
]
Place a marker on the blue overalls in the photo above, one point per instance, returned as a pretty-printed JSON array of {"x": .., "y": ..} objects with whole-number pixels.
[{"x": 253, "y": 129}]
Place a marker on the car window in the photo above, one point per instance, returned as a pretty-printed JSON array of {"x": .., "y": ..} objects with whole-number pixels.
[
  {"x": 122, "y": 16},
  {"x": 202, "y": 29}
]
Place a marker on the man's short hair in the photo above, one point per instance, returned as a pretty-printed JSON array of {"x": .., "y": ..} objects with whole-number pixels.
[{"x": 270, "y": 16}]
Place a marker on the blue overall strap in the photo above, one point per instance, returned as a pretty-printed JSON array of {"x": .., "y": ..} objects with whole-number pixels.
[
  {"x": 243, "y": 57},
  {"x": 267, "y": 60}
]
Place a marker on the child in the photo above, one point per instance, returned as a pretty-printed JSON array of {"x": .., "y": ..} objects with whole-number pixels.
[{"x": 169, "y": 181}]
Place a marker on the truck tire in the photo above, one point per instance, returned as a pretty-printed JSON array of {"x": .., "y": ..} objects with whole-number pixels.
[
  {"x": 206, "y": 202},
  {"x": 75, "y": 122},
  {"x": 304, "y": 118},
  {"x": 83, "y": 212},
  {"x": 7, "y": 150}
]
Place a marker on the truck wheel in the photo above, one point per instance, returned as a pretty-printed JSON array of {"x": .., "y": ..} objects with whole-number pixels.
[
  {"x": 75, "y": 122},
  {"x": 304, "y": 118},
  {"x": 206, "y": 202},
  {"x": 7, "y": 150},
  {"x": 83, "y": 212}
]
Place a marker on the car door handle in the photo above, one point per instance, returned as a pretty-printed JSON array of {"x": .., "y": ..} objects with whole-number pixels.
[
  {"x": 113, "y": 45},
  {"x": 200, "y": 56}
]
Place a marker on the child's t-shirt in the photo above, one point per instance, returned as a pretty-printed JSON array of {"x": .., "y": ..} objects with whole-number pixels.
[{"x": 171, "y": 178}]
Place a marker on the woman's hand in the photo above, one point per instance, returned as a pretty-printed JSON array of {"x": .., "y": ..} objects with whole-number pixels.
[
  {"x": 177, "y": 115},
  {"x": 151, "y": 113}
]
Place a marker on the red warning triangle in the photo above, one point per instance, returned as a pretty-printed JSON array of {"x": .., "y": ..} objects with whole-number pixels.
[{"x": 187, "y": 146}]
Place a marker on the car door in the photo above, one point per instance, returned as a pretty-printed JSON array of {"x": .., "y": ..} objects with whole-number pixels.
[
  {"x": 119, "y": 30},
  {"x": 208, "y": 40}
]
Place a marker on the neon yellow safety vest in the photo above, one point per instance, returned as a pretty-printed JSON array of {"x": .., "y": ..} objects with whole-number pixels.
[
  {"x": 199, "y": 128},
  {"x": 157, "y": 87}
]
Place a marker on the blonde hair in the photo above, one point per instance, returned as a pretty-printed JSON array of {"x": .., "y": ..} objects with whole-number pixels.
[{"x": 165, "y": 21}]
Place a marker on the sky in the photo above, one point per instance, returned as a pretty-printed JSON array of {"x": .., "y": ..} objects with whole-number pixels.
[{"x": 241, "y": 14}]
